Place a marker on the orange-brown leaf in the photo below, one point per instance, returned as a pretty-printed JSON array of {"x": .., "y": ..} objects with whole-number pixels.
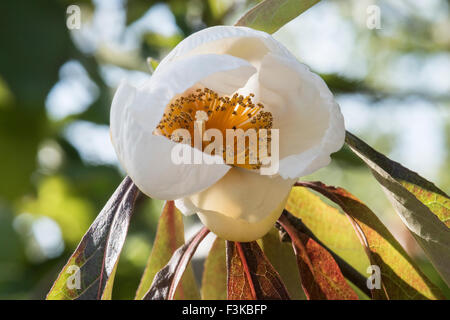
[
  {"x": 401, "y": 278},
  {"x": 250, "y": 274},
  {"x": 321, "y": 276}
]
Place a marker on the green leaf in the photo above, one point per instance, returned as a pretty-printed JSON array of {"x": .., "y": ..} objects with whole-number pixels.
[
  {"x": 271, "y": 15},
  {"x": 282, "y": 257},
  {"x": 423, "y": 207},
  {"x": 95, "y": 259},
  {"x": 152, "y": 64},
  {"x": 214, "y": 282},
  {"x": 401, "y": 278},
  {"x": 166, "y": 280},
  {"x": 250, "y": 275},
  {"x": 169, "y": 237},
  {"x": 107, "y": 291}
]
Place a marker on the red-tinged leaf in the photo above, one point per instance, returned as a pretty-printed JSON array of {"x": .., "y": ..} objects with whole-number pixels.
[
  {"x": 400, "y": 277},
  {"x": 165, "y": 283},
  {"x": 329, "y": 225},
  {"x": 320, "y": 274},
  {"x": 214, "y": 282},
  {"x": 422, "y": 207},
  {"x": 250, "y": 275},
  {"x": 89, "y": 273},
  {"x": 357, "y": 280},
  {"x": 169, "y": 237}
]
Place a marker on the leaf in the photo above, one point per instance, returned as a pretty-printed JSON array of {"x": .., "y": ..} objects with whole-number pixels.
[
  {"x": 166, "y": 281},
  {"x": 423, "y": 207},
  {"x": 271, "y": 15},
  {"x": 401, "y": 278},
  {"x": 355, "y": 278},
  {"x": 152, "y": 64},
  {"x": 329, "y": 225},
  {"x": 214, "y": 282},
  {"x": 250, "y": 275},
  {"x": 98, "y": 252},
  {"x": 282, "y": 257},
  {"x": 321, "y": 277},
  {"x": 169, "y": 237}
]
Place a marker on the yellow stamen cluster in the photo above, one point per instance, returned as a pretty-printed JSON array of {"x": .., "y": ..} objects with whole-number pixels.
[{"x": 236, "y": 112}]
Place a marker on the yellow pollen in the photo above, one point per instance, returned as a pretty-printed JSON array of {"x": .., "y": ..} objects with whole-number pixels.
[{"x": 220, "y": 112}]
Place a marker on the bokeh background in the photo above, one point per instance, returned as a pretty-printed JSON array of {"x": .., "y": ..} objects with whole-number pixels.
[{"x": 57, "y": 164}]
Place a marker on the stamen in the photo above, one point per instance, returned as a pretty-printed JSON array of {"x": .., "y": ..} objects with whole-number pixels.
[{"x": 236, "y": 112}]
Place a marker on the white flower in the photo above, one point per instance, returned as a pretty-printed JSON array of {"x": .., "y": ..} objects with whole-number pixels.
[{"x": 234, "y": 201}]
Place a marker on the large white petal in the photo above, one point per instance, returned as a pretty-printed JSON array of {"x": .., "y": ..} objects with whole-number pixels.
[
  {"x": 219, "y": 72},
  {"x": 135, "y": 112},
  {"x": 310, "y": 121},
  {"x": 242, "y": 206},
  {"x": 246, "y": 43}
]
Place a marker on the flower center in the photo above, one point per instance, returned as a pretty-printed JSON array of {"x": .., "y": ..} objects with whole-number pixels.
[{"x": 221, "y": 113}]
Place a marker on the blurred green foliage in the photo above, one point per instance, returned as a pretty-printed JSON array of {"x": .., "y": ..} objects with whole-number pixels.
[{"x": 43, "y": 174}]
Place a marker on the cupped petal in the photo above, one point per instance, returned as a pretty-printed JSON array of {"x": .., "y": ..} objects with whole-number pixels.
[
  {"x": 242, "y": 206},
  {"x": 242, "y": 42},
  {"x": 219, "y": 72},
  {"x": 135, "y": 112},
  {"x": 310, "y": 123},
  {"x": 240, "y": 230}
]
